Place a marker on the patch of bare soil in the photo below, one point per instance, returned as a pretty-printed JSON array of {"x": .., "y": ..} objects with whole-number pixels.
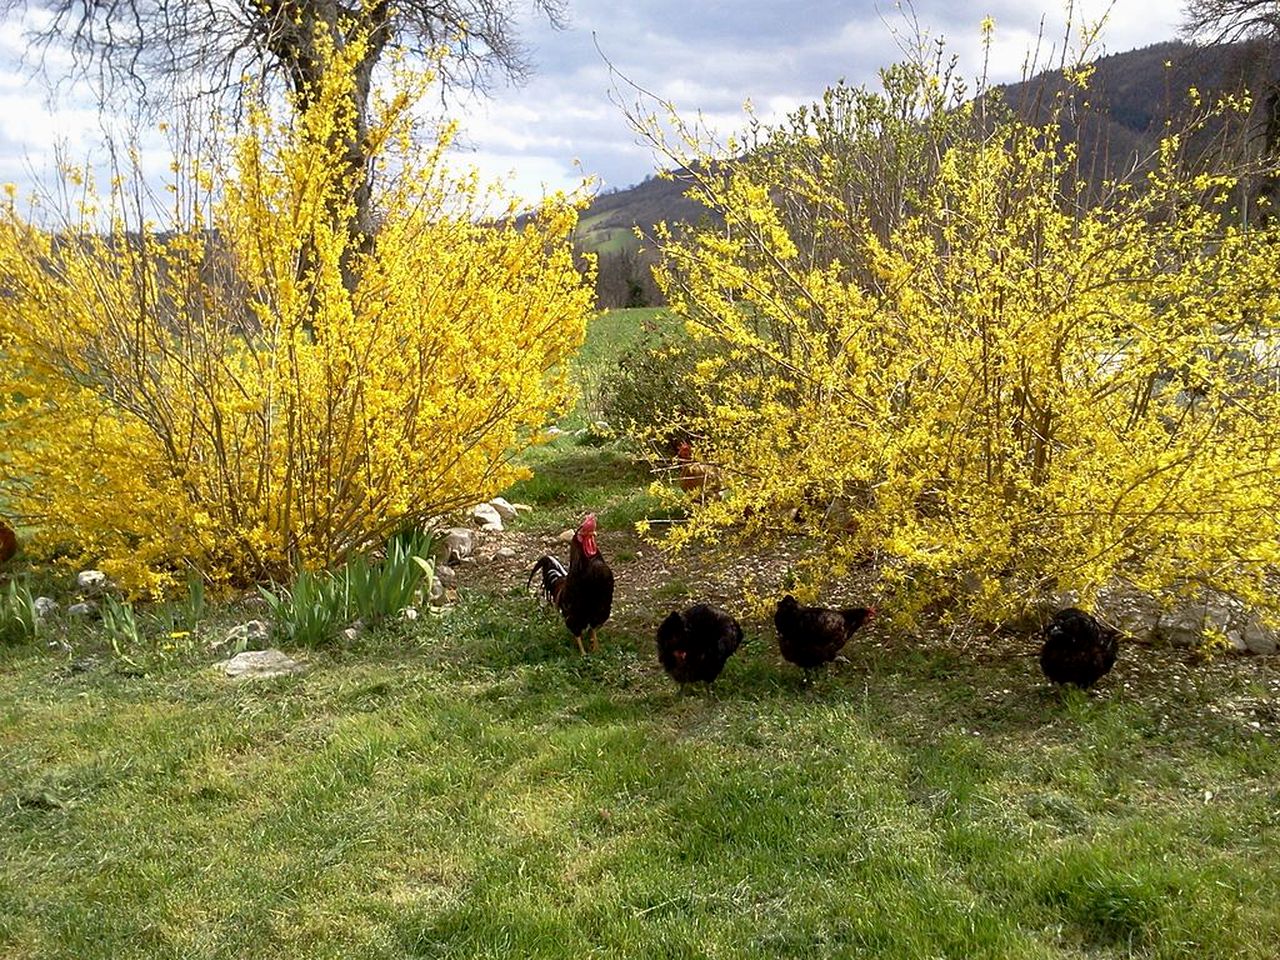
[{"x": 649, "y": 581}]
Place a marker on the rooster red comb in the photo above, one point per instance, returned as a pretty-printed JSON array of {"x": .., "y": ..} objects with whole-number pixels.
[{"x": 586, "y": 535}]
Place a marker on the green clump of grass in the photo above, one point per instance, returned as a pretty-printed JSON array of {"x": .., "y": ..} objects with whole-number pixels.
[
  {"x": 18, "y": 620},
  {"x": 120, "y": 624},
  {"x": 378, "y": 591},
  {"x": 311, "y": 611}
]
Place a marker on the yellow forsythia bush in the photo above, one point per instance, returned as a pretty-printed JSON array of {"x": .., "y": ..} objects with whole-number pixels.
[
  {"x": 252, "y": 389},
  {"x": 946, "y": 353}
]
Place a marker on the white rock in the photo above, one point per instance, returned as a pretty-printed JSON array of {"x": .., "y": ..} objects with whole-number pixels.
[
  {"x": 505, "y": 553},
  {"x": 486, "y": 517},
  {"x": 350, "y": 634},
  {"x": 409, "y": 614},
  {"x": 522, "y": 508},
  {"x": 259, "y": 664},
  {"x": 1258, "y": 638},
  {"x": 1236, "y": 638},
  {"x": 86, "y": 608},
  {"x": 506, "y": 510},
  {"x": 446, "y": 575},
  {"x": 1212, "y": 612},
  {"x": 91, "y": 581},
  {"x": 1134, "y": 613},
  {"x": 45, "y": 607},
  {"x": 459, "y": 543},
  {"x": 1182, "y": 626},
  {"x": 567, "y": 536},
  {"x": 1224, "y": 614}
]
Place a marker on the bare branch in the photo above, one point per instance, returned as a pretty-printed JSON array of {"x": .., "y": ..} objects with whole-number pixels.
[
  {"x": 1225, "y": 21},
  {"x": 157, "y": 51}
]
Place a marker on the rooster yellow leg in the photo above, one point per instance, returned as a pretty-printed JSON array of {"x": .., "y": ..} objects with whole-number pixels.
[
  {"x": 578, "y": 638},
  {"x": 595, "y": 644}
]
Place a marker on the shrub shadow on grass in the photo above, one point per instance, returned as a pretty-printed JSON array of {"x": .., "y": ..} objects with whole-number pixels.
[{"x": 514, "y": 646}]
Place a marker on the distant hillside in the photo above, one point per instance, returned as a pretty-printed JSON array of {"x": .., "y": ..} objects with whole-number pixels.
[
  {"x": 608, "y": 229},
  {"x": 609, "y": 224},
  {"x": 1131, "y": 96}
]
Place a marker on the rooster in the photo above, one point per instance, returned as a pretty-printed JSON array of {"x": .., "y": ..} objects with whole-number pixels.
[
  {"x": 694, "y": 644},
  {"x": 584, "y": 592},
  {"x": 8, "y": 542},
  {"x": 1077, "y": 648},
  {"x": 811, "y": 637},
  {"x": 699, "y": 479}
]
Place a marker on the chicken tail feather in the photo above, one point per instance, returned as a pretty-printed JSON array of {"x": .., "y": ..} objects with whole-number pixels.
[{"x": 553, "y": 575}]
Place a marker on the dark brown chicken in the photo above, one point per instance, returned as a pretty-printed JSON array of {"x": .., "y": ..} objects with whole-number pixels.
[
  {"x": 1077, "y": 648},
  {"x": 811, "y": 637},
  {"x": 8, "y": 542},
  {"x": 584, "y": 592},
  {"x": 694, "y": 644}
]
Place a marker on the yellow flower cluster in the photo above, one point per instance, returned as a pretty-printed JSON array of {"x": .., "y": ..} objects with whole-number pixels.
[
  {"x": 257, "y": 387},
  {"x": 947, "y": 353}
]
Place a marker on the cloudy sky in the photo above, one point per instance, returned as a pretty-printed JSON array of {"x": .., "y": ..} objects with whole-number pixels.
[{"x": 704, "y": 55}]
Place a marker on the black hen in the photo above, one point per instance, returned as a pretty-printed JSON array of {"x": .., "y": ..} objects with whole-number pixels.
[
  {"x": 1077, "y": 648},
  {"x": 584, "y": 592},
  {"x": 810, "y": 637},
  {"x": 693, "y": 645}
]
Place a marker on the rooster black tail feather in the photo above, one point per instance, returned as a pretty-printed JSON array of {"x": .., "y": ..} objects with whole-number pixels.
[{"x": 553, "y": 573}]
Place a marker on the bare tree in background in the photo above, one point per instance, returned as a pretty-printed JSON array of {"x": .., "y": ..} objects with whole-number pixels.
[
  {"x": 1225, "y": 21},
  {"x": 624, "y": 278},
  {"x": 1232, "y": 21},
  {"x": 159, "y": 51}
]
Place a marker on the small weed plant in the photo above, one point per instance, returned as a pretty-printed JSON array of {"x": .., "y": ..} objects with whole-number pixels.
[
  {"x": 121, "y": 625},
  {"x": 194, "y": 608},
  {"x": 18, "y": 620},
  {"x": 377, "y": 592},
  {"x": 311, "y": 612}
]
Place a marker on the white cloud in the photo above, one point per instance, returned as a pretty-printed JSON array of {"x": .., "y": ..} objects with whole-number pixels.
[
  {"x": 709, "y": 57},
  {"x": 528, "y": 177}
]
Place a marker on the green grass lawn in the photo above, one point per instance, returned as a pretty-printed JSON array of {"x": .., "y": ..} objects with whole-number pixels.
[
  {"x": 469, "y": 786},
  {"x": 475, "y": 788},
  {"x": 612, "y": 333}
]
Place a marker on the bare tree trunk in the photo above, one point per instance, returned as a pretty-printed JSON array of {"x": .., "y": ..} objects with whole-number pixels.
[{"x": 292, "y": 40}]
